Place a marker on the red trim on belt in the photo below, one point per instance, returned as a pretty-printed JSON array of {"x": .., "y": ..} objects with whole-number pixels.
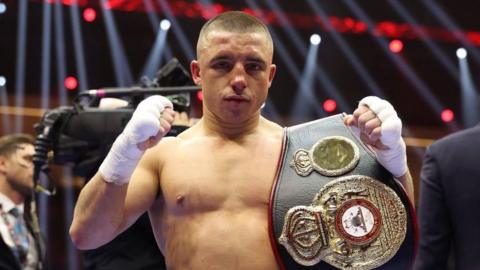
[
  {"x": 273, "y": 240},
  {"x": 416, "y": 234}
]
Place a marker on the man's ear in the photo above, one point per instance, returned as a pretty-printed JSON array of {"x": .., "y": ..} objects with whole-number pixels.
[
  {"x": 195, "y": 70},
  {"x": 273, "y": 69}
]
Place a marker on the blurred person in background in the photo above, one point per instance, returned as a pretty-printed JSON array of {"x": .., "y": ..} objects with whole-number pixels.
[
  {"x": 21, "y": 246},
  {"x": 449, "y": 197}
]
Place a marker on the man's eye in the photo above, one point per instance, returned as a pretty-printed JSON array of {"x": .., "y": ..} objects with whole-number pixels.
[
  {"x": 221, "y": 65},
  {"x": 253, "y": 67}
]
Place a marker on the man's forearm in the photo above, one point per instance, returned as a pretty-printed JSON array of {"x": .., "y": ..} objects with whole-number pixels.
[
  {"x": 407, "y": 183},
  {"x": 99, "y": 213}
]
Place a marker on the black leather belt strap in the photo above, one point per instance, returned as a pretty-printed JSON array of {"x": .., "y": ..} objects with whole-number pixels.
[{"x": 291, "y": 189}]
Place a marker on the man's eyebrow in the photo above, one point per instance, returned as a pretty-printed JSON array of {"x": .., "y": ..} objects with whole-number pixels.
[
  {"x": 256, "y": 59},
  {"x": 221, "y": 57}
]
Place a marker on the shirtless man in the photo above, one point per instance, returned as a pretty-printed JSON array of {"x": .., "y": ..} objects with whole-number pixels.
[{"x": 207, "y": 190}]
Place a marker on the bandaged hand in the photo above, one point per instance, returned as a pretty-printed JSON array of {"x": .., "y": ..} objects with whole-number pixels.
[
  {"x": 149, "y": 123},
  {"x": 379, "y": 126}
]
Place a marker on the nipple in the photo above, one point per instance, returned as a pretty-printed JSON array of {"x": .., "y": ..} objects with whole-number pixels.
[{"x": 180, "y": 199}]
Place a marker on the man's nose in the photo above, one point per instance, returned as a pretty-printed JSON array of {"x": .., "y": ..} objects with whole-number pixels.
[{"x": 238, "y": 82}]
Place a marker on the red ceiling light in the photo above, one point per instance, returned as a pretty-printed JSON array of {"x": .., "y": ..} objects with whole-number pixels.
[
  {"x": 89, "y": 14},
  {"x": 329, "y": 105},
  {"x": 396, "y": 45},
  {"x": 71, "y": 83},
  {"x": 447, "y": 115}
]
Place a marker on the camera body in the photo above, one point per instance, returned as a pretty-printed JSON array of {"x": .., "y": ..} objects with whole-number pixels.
[{"x": 82, "y": 134}]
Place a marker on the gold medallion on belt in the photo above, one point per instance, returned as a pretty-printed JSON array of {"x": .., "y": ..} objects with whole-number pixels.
[
  {"x": 354, "y": 221},
  {"x": 331, "y": 156}
]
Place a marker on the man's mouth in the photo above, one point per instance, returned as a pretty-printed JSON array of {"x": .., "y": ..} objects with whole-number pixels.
[{"x": 236, "y": 98}]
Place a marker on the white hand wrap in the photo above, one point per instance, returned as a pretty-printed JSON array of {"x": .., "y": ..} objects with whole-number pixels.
[
  {"x": 124, "y": 155},
  {"x": 393, "y": 159}
]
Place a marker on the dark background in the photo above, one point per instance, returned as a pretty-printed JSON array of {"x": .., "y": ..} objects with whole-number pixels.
[{"x": 137, "y": 37}]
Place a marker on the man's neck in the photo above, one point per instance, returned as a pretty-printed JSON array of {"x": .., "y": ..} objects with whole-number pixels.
[
  {"x": 231, "y": 130},
  {"x": 8, "y": 191}
]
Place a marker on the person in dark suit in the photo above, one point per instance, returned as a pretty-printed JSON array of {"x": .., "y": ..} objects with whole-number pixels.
[
  {"x": 449, "y": 200},
  {"x": 21, "y": 246}
]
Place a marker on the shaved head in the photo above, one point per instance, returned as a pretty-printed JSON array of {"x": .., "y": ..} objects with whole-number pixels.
[{"x": 234, "y": 22}]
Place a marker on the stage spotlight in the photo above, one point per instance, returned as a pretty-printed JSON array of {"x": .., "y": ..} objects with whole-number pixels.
[
  {"x": 3, "y": 81},
  {"x": 3, "y": 8},
  {"x": 89, "y": 14},
  {"x": 315, "y": 39},
  {"x": 200, "y": 95},
  {"x": 461, "y": 53},
  {"x": 329, "y": 105},
  {"x": 165, "y": 24},
  {"x": 447, "y": 115},
  {"x": 395, "y": 46},
  {"x": 71, "y": 83}
]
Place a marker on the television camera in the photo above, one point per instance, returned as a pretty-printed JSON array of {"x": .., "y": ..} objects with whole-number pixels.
[{"x": 83, "y": 133}]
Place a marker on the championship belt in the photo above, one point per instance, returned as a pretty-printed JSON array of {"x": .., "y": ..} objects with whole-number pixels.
[{"x": 334, "y": 206}]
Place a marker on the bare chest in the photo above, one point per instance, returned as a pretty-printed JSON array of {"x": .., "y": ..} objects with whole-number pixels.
[{"x": 202, "y": 177}]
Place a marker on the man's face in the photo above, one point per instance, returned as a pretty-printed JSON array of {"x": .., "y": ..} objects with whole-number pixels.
[
  {"x": 18, "y": 168},
  {"x": 235, "y": 71}
]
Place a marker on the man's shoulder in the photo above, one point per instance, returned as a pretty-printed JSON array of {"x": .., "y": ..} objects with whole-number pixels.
[
  {"x": 166, "y": 143},
  {"x": 460, "y": 136},
  {"x": 170, "y": 144},
  {"x": 468, "y": 137},
  {"x": 271, "y": 127}
]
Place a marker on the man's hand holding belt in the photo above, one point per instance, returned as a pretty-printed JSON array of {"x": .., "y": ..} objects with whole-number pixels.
[
  {"x": 151, "y": 121},
  {"x": 379, "y": 126}
]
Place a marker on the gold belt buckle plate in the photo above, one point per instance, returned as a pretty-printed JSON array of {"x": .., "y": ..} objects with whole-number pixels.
[{"x": 354, "y": 222}]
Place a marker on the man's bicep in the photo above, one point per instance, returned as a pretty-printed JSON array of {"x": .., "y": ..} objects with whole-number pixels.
[{"x": 142, "y": 190}]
